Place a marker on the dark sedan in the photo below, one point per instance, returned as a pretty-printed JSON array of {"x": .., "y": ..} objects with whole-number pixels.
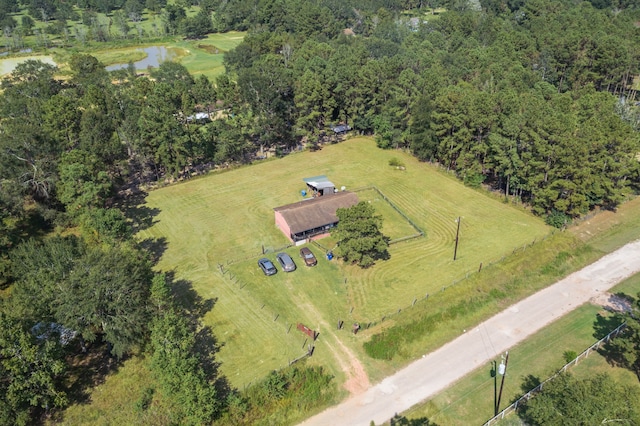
[{"x": 267, "y": 266}]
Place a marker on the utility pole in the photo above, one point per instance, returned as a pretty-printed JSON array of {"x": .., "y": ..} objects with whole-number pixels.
[
  {"x": 502, "y": 370},
  {"x": 455, "y": 250}
]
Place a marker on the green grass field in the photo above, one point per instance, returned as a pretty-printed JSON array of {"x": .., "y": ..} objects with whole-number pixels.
[
  {"x": 394, "y": 225},
  {"x": 227, "y": 218}
]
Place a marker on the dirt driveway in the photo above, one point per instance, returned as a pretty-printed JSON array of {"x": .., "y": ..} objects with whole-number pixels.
[{"x": 473, "y": 348}]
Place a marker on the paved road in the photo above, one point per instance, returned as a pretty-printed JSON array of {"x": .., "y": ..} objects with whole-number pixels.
[{"x": 434, "y": 372}]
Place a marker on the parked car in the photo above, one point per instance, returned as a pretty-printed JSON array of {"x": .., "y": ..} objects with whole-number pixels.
[
  {"x": 286, "y": 262},
  {"x": 307, "y": 255},
  {"x": 267, "y": 266}
]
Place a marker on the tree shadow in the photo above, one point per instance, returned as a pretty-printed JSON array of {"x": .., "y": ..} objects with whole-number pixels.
[
  {"x": 603, "y": 325},
  {"x": 529, "y": 382},
  {"x": 206, "y": 344},
  {"x": 187, "y": 298},
  {"x": 131, "y": 202},
  {"x": 155, "y": 247},
  {"x": 88, "y": 370}
]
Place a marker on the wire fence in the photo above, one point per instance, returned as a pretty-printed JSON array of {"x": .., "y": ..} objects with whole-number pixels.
[
  {"x": 419, "y": 231},
  {"x": 285, "y": 325},
  {"x": 265, "y": 250},
  {"x": 527, "y": 396}
]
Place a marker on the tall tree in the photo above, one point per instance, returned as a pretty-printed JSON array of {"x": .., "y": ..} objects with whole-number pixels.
[
  {"x": 31, "y": 371},
  {"x": 176, "y": 362},
  {"x": 106, "y": 294},
  {"x": 359, "y": 235},
  {"x": 625, "y": 349},
  {"x": 594, "y": 400}
]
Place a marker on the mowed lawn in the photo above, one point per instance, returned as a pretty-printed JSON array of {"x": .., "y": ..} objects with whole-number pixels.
[{"x": 227, "y": 219}]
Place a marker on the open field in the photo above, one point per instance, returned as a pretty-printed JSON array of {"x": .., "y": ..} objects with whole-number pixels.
[
  {"x": 394, "y": 226},
  {"x": 227, "y": 218},
  {"x": 205, "y": 56},
  {"x": 605, "y": 231}
]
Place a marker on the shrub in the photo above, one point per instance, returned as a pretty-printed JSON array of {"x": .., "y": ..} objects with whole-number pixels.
[
  {"x": 569, "y": 356},
  {"x": 144, "y": 402},
  {"x": 557, "y": 219},
  {"x": 395, "y": 162}
]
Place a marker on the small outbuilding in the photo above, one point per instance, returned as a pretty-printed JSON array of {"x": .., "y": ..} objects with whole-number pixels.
[
  {"x": 319, "y": 186},
  {"x": 312, "y": 217}
]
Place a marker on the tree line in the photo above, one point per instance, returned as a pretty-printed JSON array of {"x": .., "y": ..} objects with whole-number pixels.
[{"x": 535, "y": 99}]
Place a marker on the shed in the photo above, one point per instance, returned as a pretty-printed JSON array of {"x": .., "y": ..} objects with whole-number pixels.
[
  {"x": 312, "y": 217},
  {"x": 319, "y": 185}
]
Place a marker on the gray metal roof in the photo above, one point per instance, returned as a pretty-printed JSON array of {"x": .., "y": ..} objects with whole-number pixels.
[{"x": 316, "y": 212}]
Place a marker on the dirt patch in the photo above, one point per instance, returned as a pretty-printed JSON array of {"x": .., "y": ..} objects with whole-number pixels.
[
  {"x": 357, "y": 380},
  {"x": 612, "y": 302},
  {"x": 211, "y": 49}
]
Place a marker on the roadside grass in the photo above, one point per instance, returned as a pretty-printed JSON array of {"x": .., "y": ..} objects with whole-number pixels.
[
  {"x": 610, "y": 230},
  {"x": 443, "y": 316},
  {"x": 227, "y": 219},
  {"x": 470, "y": 400}
]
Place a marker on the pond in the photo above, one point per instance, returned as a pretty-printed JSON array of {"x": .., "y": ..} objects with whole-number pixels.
[
  {"x": 155, "y": 56},
  {"x": 7, "y": 65}
]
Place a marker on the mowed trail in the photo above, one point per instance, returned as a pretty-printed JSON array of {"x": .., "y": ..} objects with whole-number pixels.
[{"x": 437, "y": 370}]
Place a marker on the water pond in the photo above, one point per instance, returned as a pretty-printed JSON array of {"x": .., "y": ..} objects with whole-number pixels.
[
  {"x": 155, "y": 56},
  {"x": 7, "y": 65}
]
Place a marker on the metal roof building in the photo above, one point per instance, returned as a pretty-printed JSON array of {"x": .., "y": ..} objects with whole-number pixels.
[{"x": 312, "y": 217}]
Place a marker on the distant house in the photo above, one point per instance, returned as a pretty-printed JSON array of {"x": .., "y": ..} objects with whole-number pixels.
[
  {"x": 312, "y": 217},
  {"x": 199, "y": 117},
  {"x": 340, "y": 129}
]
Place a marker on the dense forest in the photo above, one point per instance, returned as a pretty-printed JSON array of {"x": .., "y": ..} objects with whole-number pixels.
[{"x": 534, "y": 99}]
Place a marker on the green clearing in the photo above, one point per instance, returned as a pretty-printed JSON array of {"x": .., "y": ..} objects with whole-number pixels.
[
  {"x": 227, "y": 219},
  {"x": 205, "y": 56},
  {"x": 470, "y": 401}
]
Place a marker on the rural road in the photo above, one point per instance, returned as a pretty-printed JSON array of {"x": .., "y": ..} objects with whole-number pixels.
[{"x": 437, "y": 370}]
